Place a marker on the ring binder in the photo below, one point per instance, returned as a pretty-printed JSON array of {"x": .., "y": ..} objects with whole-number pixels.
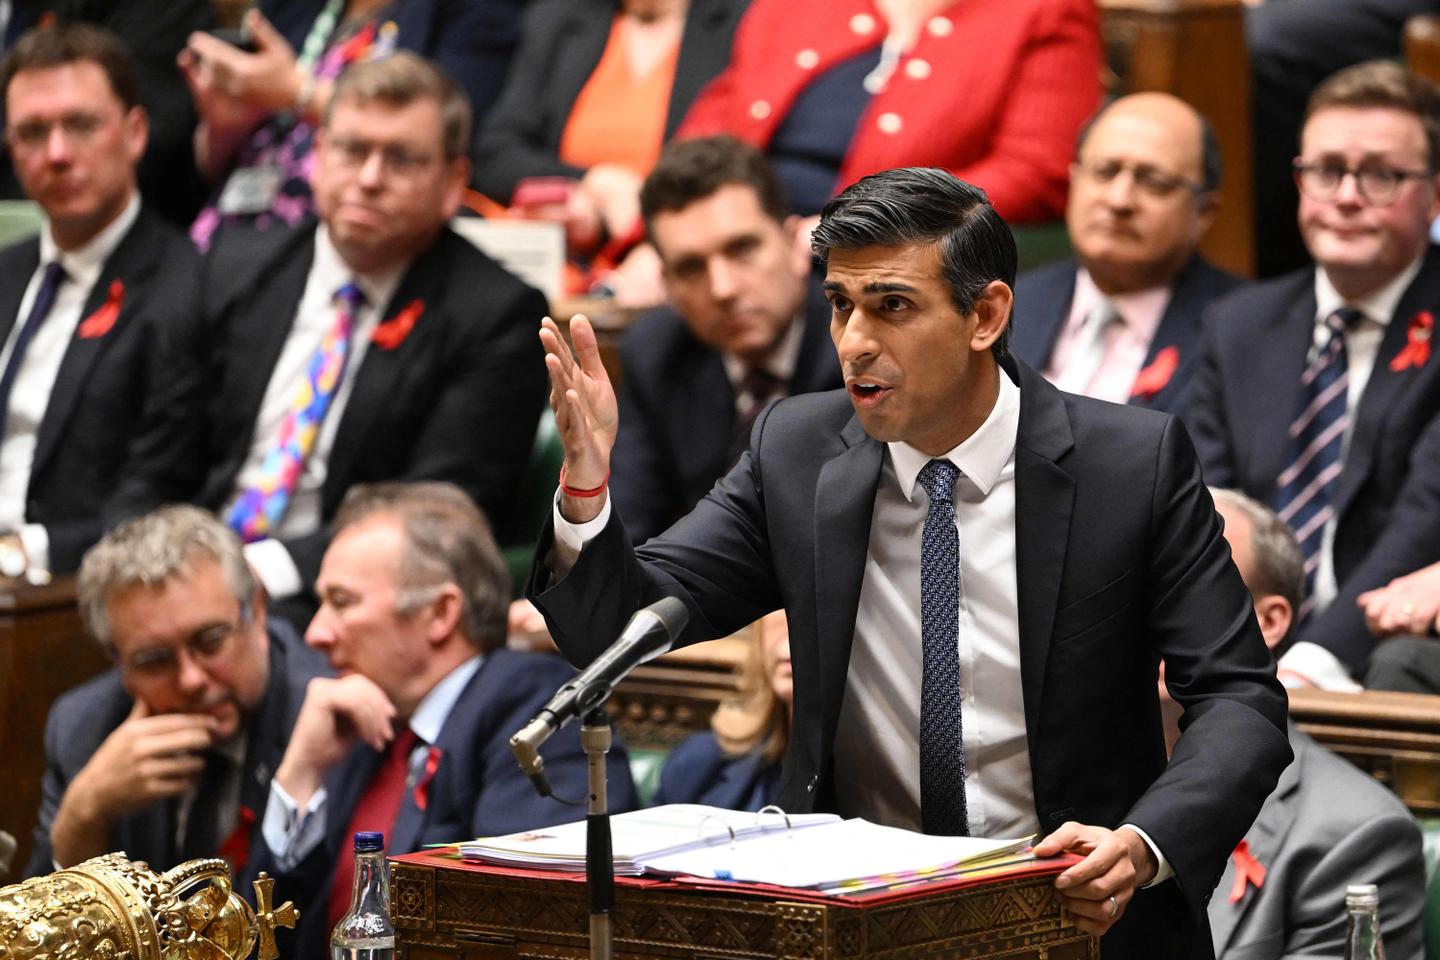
[
  {"x": 775, "y": 808},
  {"x": 700, "y": 829}
]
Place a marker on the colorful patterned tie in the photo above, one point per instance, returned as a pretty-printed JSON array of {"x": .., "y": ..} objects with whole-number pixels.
[
  {"x": 260, "y": 507},
  {"x": 1303, "y": 488},
  {"x": 942, "y": 747}
]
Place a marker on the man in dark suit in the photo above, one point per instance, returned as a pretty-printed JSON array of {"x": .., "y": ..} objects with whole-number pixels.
[
  {"x": 1315, "y": 387},
  {"x": 376, "y": 345},
  {"x": 745, "y": 326},
  {"x": 1121, "y": 322},
  {"x": 1328, "y": 824},
  {"x": 413, "y": 739},
  {"x": 956, "y": 537},
  {"x": 169, "y": 756},
  {"x": 88, "y": 310}
]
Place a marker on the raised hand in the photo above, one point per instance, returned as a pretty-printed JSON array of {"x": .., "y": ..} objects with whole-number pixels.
[
  {"x": 334, "y": 715},
  {"x": 586, "y": 414}
]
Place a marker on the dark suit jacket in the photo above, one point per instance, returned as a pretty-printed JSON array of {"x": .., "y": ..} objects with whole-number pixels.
[
  {"x": 1246, "y": 391},
  {"x": 472, "y": 40},
  {"x": 560, "y": 45},
  {"x": 1327, "y": 825},
  {"x": 1042, "y": 305},
  {"x": 80, "y": 721},
  {"x": 678, "y": 426},
  {"x": 116, "y": 399},
  {"x": 698, "y": 771},
  {"x": 478, "y": 789},
  {"x": 1120, "y": 561},
  {"x": 458, "y": 399}
]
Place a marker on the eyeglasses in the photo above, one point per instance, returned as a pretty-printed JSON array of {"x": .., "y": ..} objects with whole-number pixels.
[
  {"x": 353, "y": 153},
  {"x": 1147, "y": 179},
  {"x": 1376, "y": 182},
  {"x": 206, "y": 646},
  {"x": 32, "y": 135}
]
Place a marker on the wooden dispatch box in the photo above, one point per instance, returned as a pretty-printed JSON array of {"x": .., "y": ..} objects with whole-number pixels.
[{"x": 446, "y": 908}]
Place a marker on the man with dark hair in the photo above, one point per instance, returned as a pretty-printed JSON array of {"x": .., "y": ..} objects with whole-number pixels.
[
  {"x": 979, "y": 573},
  {"x": 1121, "y": 321},
  {"x": 413, "y": 738},
  {"x": 169, "y": 756},
  {"x": 1328, "y": 824},
  {"x": 745, "y": 325},
  {"x": 1315, "y": 387},
  {"x": 89, "y": 310},
  {"x": 357, "y": 349}
]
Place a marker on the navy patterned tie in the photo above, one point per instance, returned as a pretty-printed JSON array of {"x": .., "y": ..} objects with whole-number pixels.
[
  {"x": 39, "y": 309},
  {"x": 942, "y": 748},
  {"x": 1312, "y": 462}
]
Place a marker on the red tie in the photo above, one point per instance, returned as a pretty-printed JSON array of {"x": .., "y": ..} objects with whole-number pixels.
[{"x": 377, "y": 809}]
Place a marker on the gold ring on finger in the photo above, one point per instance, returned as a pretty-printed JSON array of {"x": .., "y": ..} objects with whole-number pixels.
[{"x": 1114, "y": 905}]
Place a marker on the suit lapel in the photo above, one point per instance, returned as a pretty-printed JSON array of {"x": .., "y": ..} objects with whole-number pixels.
[
  {"x": 1044, "y": 497},
  {"x": 1385, "y": 385},
  {"x": 1272, "y": 380},
  {"x": 1266, "y": 838},
  {"x": 131, "y": 264},
  {"x": 844, "y": 503},
  {"x": 1179, "y": 328},
  {"x": 19, "y": 265}
]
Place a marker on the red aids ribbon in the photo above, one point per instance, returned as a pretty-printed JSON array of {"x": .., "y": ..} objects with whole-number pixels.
[
  {"x": 422, "y": 789},
  {"x": 393, "y": 332},
  {"x": 1248, "y": 870},
  {"x": 1416, "y": 352},
  {"x": 99, "y": 323},
  {"x": 1153, "y": 378}
]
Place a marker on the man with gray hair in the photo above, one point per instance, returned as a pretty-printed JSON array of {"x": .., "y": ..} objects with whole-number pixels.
[
  {"x": 1327, "y": 824},
  {"x": 412, "y": 738},
  {"x": 200, "y": 703}
]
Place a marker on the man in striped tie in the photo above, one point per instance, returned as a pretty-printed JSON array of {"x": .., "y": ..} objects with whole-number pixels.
[{"x": 1315, "y": 387}]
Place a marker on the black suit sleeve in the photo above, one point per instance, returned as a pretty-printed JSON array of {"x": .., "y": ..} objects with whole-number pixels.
[{"x": 1233, "y": 744}]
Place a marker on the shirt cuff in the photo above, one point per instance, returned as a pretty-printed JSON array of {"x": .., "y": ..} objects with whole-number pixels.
[
  {"x": 289, "y": 832},
  {"x": 570, "y": 538},
  {"x": 36, "y": 541},
  {"x": 1163, "y": 870},
  {"x": 277, "y": 571},
  {"x": 1318, "y": 665}
]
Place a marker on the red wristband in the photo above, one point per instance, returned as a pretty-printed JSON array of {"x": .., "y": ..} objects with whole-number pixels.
[{"x": 582, "y": 494}]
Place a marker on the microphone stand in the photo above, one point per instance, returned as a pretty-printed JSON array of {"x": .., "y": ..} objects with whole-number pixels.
[{"x": 595, "y": 738}]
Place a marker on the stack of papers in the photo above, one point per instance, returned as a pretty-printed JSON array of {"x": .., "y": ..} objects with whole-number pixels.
[{"x": 810, "y": 851}]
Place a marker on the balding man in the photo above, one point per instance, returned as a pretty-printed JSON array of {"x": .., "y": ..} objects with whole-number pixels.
[{"x": 1121, "y": 321}]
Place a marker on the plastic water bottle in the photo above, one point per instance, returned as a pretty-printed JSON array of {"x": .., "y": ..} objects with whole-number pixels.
[
  {"x": 365, "y": 932},
  {"x": 1362, "y": 941}
]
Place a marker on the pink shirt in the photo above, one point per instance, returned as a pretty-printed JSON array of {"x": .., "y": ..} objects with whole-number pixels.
[{"x": 1126, "y": 343}]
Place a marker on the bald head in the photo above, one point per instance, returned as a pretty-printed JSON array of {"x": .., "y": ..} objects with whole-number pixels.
[{"x": 1142, "y": 191}]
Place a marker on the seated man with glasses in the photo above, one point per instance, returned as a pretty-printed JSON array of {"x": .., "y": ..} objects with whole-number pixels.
[
  {"x": 1314, "y": 388},
  {"x": 89, "y": 308},
  {"x": 169, "y": 756},
  {"x": 376, "y": 344},
  {"x": 1121, "y": 321},
  {"x": 413, "y": 739}
]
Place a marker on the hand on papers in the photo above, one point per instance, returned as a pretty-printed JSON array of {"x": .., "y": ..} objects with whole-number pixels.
[
  {"x": 586, "y": 413},
  {"x": 334, "y": 715},
  {"x": 1406, "y": 605},
  {"x": 1116, "y": 864}
]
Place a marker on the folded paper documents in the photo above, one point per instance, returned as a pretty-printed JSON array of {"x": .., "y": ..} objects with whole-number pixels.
[{"x": 814, "y": 851}]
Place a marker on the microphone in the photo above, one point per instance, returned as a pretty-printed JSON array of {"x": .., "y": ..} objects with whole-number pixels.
[{"x": 649, "y": 633}]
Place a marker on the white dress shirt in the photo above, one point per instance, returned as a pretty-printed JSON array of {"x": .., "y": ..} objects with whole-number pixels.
[
  {"x": 1362, "y": 346},
  {"x": 314, "y": 317},
  {"x": 1125, "y": 345},
  {"x": 291, "y": 833},
  {"x": 30, "y": 395},
  {"x": 780, "y": 364},
  {"x": 877, "y": 741}
]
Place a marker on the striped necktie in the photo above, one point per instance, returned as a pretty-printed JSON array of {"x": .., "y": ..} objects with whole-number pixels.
[
  {"x": 942, "y": 746},
  {"x": 1303, "y": 489},
  {"x": 260, "y": 507}
]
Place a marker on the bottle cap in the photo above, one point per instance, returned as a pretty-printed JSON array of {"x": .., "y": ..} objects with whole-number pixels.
[
  {"x": 1361, "y": 894},
  {"x": 368, "y": 841}
]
